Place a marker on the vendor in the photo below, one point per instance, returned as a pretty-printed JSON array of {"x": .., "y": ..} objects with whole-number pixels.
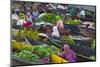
[
  {"x": 29, "y": 17},
  {"x": 60, "y": 27},
  {"x": 35, "y": 14},
  {"x": 23, "y": 21},
  {"x": 59, "y": 24},
  {"x": 55, "y": 32},
  {"x": 68, "y": 54},
  {"x": 82, "y": 13}
]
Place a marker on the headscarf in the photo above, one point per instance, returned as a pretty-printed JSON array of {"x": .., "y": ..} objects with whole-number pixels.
[{"x": 55, "y": 32}]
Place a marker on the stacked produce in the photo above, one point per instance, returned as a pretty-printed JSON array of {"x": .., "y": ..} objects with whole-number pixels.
[
  {"x": 22, "y": 15},
  {"x": 73, "y": 22},
  {"x": 19, "y": 45},
  {"x": 68, "y": 40},
  {"x": 27, "y": 55},
  {"x": 34, "y": 53},
  {"x": 49, "y": 17},
  {"x": 32, "y": 34},
  {"x": 92, "y": 57},
  {"x": 93, "y": 45}
]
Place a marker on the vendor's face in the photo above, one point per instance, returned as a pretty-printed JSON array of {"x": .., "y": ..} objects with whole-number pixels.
[{"x": 66, "y": 47}]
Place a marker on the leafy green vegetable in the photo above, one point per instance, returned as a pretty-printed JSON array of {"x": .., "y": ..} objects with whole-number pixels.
[
  {"x": 41, "y": 51},
  {"x": 22, "y": 15},
  {"x": 92, "y": 57},
  {"x": 33, "y": 35},
  {"x": 26, "y": 54},
  {"x": 93, "y": 45},
  {"x": 37, "y": 52},
  {"x": 49, "y": 17},
  {"x": 28, "y": 33},
  {"x": 68, "y": 40},
  {"x": 73, "y": 22},
  {"x": 89, "y": 13},
  {"x": 45, "y": 51},
  {"x": 54, "y": 49}
]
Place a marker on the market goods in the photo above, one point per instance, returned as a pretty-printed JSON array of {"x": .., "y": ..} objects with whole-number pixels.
[
  {"x": 55, "y": 43},
  {"x": 33, "y": 35},
  {"x": 36, "y": 41},
  {"x": 41, "y": 51},
  {"x": 73, "y": 22},
  {"x": 22, "y": 15},
  {"x": 28, "y": 33},
  {"x": 19, "y": 33},
  {"x": 68, "y": 40},
  {"x": 49, "y": 17},
  {"x": 92, "y": 57},
  {"x": 93, "y": 45},
  {"x": 19, "y": 45},
  {"x": 45, "y": 50},
  {"x": 35, "y": 53},
  {"x": 57, "y": 59},
  {"x": 26, "y": 54}
]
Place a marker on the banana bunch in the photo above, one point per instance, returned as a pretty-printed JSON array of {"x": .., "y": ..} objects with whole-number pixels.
[
  {"x": 28, "y": 33},
  {"x": 19, "y": 45},
  {"x": 33, "y": 35}
]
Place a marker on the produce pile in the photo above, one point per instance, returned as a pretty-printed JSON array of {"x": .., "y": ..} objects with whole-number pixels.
[
  {"x": 68, "y": 40},
  {"x": 32, "y": 34},
  {"x": 19, "y": 45},
  {"x": 28, "y": 55},
  {"x": 34, "y": 53},
  {"x": 93, "y": 45},
  {"x": 73, "y": 22},
  {"x": 49, "y": 17}
]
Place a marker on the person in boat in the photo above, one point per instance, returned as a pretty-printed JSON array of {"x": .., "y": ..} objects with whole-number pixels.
[
  {"x": 23, "y": 21},
  {"x": 60, "y": 27},
  {"x": 55, "y": 32},
  {"x": 35, "y": 14},
  {"x": 68, "y": 54}
]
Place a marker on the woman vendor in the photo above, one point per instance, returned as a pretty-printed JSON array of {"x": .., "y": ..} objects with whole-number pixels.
[
  {"x": 68, "y": 54},
  {"x": 60, "y": 27}
]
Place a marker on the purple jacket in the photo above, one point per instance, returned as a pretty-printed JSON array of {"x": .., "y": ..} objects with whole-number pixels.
[{"x": 70, "y": 56}]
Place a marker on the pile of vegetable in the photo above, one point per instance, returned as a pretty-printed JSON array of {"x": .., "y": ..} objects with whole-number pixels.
[
  {"x": 27, "y": 55},
  {"x": 89, "y": 13},
  {"x": 68, "y": 40},
  {"x": 92, "y": 57},
  {"x": 93, "y": 45},
  {"x": 19, "y": 45},
  {"x": 32, "y": 34},
  {"x": 73, "y": 22},
  {"x": 35, "y": 53},
  {"x": 49, "y": 17},
  {"x": 22, "y": 15}
]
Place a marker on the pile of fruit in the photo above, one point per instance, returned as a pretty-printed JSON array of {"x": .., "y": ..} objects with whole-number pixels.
[
  {"x": 19, "y": 45},
  {"x": 32, "y": 34}
]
